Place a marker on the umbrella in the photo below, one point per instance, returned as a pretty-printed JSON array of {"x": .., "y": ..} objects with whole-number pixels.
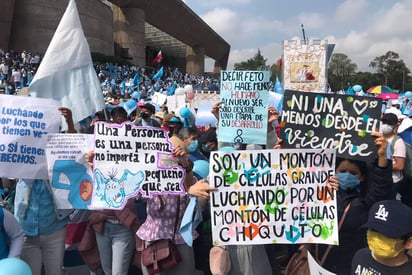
[
  {"x": 380, "y": 89},
  {"x": 387, "y": 96}
]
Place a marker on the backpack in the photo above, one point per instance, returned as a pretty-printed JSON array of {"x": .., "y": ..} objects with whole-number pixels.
[{"x": 407, "y": 170}]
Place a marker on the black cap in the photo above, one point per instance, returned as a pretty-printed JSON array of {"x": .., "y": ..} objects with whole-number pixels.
[
  {"x": 390, "y": 119},
  {"x": 390, "y": 218},
  {"x": 149, "y": 107},
  {"x": 209, "y": 135}
]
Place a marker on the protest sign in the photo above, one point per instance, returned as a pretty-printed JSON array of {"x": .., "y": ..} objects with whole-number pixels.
[
  {"x": 70, "y": 176},
  {"x": 321, "y": 121},
  {"x": 130, "y": 159},
  {"x": 24, "y": 121},
  {"x": 244, "y": 104},
  {"x": 315, "y": 268},
  {"x": 204, "y": 98},
  {"x": 305, "y": 65},
  {"x": 273, "y": 196},
  {"x": 204, "y": 116}
]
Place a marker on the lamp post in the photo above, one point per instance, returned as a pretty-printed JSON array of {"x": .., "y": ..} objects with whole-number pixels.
[{"x": 403, "y": 81}]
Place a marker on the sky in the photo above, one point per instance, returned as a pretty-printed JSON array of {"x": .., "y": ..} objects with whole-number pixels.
[{"x": 360, "y": 29}]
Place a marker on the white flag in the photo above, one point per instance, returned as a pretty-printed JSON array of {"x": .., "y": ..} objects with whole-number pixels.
[{"x": 66, "y": 72}]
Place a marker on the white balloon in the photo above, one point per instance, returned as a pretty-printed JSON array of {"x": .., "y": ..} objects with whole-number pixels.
[
  {"x": 188, "y": 88},
  {"x": 179, "y": 91}
]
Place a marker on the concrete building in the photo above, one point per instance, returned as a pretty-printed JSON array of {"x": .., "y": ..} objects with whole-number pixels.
[{"x": 133, "y": 29}]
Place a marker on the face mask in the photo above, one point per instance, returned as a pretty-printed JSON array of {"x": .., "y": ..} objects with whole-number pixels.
[
  {"x": 348, "y": 181},
  {"x": 386, "y": 129},
  {"x": 382, "y": 246},
  {"x": 144, "y": 115},
  {"x": 192, "y": 146},
  {"x": 205, "y": 148}
]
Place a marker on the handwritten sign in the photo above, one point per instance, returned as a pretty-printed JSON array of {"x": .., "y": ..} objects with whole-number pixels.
[
  {"x": 70, "y": 176},
  {"x": 273, "y": 196},
  {"x": 243, "y": 110},
  {"x": 24, "y": 121},
  {"x": 316, "y": 268},
  {"x": 131, "y": 159},
  {"x": 321, "y": 121}
]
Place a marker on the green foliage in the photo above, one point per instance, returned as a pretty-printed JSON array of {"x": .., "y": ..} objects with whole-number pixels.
[
  {"x": 257, "y": 63},
  {"x": 340, "y": 70},
  {"x": 392, "y": 70}
]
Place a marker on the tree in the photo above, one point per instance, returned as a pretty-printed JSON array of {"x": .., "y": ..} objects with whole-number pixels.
[
  {"x": 257, "y": 63},
  {"x": 392, "y": 70},
  {"x": 365, "y": 79},
  {"x": 339, "y": 71}
]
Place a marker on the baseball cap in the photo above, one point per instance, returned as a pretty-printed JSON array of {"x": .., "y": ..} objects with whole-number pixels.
[
  {"x": 390, "y": 218},
  {"x": 389, "y": 118},
  {"x": 395, "y": 102}
]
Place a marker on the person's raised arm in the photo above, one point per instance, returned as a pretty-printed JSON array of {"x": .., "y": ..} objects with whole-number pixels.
[{"x": 67, "y": 114}]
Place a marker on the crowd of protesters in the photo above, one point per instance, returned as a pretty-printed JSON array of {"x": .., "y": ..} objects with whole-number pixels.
[{"x": 364, "y": 190}]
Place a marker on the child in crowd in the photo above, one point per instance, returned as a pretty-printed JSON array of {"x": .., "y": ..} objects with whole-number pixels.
[{"x": 389, "y": 236}]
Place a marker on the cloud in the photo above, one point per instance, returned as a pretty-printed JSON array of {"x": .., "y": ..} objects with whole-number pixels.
[
  {"x": 393, "y": 22},
  {"x": 361, "y": 29},
  {"x": 221, "y": 20},
  {"x": 351, "y": 10}
]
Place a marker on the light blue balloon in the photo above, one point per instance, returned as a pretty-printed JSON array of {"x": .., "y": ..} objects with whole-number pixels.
[
  {"x": 357, "y": 88},
  {"x": 14, "y": 266},
  {"x": 201, "y": 168},
  {"x": 131, "y": 103},
  {"x": 185, "y": 112},
  {"x": 135, "y": 95},
  {"x": 227, "y": 149}
]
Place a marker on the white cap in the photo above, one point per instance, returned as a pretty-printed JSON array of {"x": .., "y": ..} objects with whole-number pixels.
[
  {"x": 396, "y": 112},
  {"x": 395, "y": 102}
]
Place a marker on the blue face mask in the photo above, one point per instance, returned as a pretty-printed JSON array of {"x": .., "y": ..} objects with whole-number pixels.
[
  {"x": 348, "y": 181},
  {"x": 192, "y": 146},
  {"x": 205, "y": 148}
]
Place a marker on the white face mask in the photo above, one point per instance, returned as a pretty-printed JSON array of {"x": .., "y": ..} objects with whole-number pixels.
[{"x": 386, "y": 129}]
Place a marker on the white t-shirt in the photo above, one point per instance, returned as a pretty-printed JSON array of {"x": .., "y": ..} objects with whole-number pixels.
[
  {"x": 399, "y": 150},
  {"x": 16, "y": 75}
]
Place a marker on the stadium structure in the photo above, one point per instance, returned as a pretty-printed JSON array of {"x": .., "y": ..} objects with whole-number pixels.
[{"x": 132, "y": 29}]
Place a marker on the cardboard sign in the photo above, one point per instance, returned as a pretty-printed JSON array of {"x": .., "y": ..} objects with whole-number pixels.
[
  {"x": 273, "y": 196},
  {"x": 324, "y": 121},
  {"x": 24, "y": 122},
  {"x": 243, "y": 109},
  {"x": 70, "y": 176},
  {"x": 131, "y": 159}
]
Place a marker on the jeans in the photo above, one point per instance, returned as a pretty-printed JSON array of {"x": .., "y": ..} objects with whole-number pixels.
[
  {"x": 116, "y": 247},
  {"x": 47, "y": 250}
]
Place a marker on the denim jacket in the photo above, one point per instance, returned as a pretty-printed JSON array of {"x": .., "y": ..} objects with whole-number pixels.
[{"x": 35, "y": 210}]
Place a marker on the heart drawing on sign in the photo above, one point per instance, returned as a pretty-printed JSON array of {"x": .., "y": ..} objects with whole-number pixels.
[{"x": 360, "y": 106}]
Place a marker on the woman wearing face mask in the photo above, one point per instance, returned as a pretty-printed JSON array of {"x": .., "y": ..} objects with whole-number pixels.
[
  {"x": 355, "y": 189},
  {"x": 396, "y": 149},
  {"x": 190, "y": 135}
]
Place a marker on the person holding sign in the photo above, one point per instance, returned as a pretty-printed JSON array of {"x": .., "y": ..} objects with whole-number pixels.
[
  {"x": 165, "y": 212},
  {"x": 44, "y": 226},
  {"x": 355, "y": 189},
  {"x": 250, "y": 259},
  {"x": 113, "y": 229}
]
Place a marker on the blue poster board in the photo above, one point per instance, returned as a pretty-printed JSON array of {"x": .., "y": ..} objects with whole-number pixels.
[{"x": 243, "y": 112}]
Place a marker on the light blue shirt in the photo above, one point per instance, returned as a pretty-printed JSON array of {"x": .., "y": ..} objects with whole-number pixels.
[{"x": 35, "y": 209}]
